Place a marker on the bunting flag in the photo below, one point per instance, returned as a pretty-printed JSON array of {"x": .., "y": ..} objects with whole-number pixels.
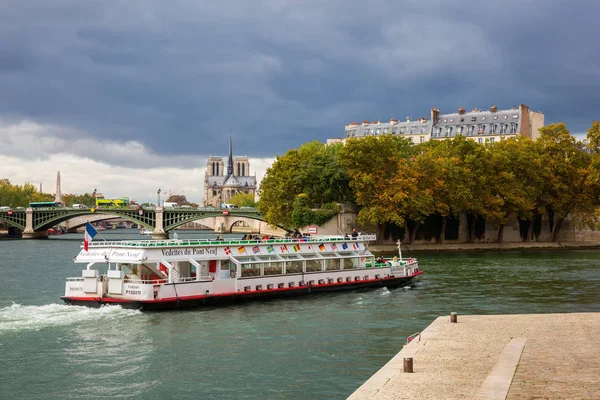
[
  {"x": 283, "y": 248},
  {"x": 321, "y": 247},
  {"x": 256, "y": 249},
  {"x": 345, "y": 246},
  {"x": 242, "y": 249},
  {"x": 333, "y": 247},
  {"x": 270, "y": 248},
  {"x": 297, "y": 248},
  {"x": 227, "y": 250},
  {"x": 355, "y": 246}
]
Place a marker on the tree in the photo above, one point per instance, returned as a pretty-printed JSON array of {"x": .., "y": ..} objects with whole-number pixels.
[
  {"x": 314, "y": 170},
  {"x": 514, "y": 178},
  {"x": 372, "y": 163},
  {"x": 180, "y": 199},
  {"x": 593, "y": 137},
  {"x": 568, "y": 188},
  {"x": 243, "y": 200}
]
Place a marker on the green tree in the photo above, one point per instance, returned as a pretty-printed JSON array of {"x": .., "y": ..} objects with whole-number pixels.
[
  {"x": 243, "y": 200},
  {"x": 371, "y": 163},
  {"x": 312, "y": 169},
  {"x": 568, "y": 188},
  {"x": 593, "y": 137}
]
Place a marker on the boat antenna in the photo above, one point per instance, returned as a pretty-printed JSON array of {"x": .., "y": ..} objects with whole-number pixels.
[{"x": 399, "y": 250}]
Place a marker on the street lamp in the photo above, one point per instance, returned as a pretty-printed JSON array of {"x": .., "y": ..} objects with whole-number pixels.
[{"x": 158, "y": 198}]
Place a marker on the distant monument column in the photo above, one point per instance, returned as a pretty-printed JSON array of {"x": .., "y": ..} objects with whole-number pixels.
[{"x": 58, "y": 197}]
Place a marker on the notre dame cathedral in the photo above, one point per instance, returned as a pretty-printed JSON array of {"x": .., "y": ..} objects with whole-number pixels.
[{"x": 219, "y": 186}]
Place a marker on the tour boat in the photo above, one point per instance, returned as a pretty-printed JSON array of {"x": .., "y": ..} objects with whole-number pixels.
[
  {"x": 169, "y": 274},
  {"x": 145, "y": 232}
]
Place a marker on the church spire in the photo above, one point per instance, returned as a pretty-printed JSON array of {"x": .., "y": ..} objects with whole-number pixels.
[{"x": 230, "y": 159}]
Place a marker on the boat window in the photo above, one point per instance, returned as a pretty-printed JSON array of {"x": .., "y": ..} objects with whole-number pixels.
[
  {"x": 309, "y": 256},
  {"x": 332, "y": 264},
  {"x": 313, "y": 265},
  {"x": 274, "y": 268},
  {"x": 293, "y": 267},
  {"x": 225, "y": 265},
  {"x": 250, "y": 270},
  {"x": 350, "y": 263}
]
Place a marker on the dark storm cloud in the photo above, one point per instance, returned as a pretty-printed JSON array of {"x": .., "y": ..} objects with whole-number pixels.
[{"x": 178, "y": 76}]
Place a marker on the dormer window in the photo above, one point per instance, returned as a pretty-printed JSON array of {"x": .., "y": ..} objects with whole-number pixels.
[
  {"x": 493, "y": 128},
  {"x": 481, "y": 129},
  {"x": 385, "y": 130},
  {"x": 424, "y": 129},
  {"x": 495, "y": 117},
  {"x": 378, "y": 131},
  {"x": 471, "y": 129},
  {"x": 513, "y": 128},
  {"x": 448, "y": 130},
  {"x": 367, "y": 131},
  {"x": 394, "y": 131},
  {"x": 515, "y": 116},
  {"x": 503, "y": 128},
  {"x": 438, "y": 130},
  {"x": 473, "y": 118},
  {"x": 459, "y": 129}
]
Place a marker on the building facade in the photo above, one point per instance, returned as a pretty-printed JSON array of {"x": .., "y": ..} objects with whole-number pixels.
[
  {"x": 482, "y": 126},
  {"x": 221, "y": 182}
]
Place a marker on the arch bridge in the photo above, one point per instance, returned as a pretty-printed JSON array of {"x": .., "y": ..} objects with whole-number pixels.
[{"x": 34, "y": 223}]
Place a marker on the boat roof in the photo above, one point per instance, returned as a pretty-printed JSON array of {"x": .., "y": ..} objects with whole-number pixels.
[{"x": 246, "y": 251}]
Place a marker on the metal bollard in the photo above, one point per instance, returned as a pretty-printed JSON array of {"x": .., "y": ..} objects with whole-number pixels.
[
  {"x": 453, "y": 317},
  {"x": 408, "y": 364}
]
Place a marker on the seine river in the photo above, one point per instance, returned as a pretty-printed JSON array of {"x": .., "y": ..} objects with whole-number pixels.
[{"x": 321, "y": 347}]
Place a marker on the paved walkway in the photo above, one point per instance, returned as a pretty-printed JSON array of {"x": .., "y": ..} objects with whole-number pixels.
[
  {"x": 459, "y": 247},
  {"x": 535, "y": 356}
]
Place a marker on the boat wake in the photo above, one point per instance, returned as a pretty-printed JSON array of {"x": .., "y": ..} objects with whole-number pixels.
[{"x": 16, "y": 318}]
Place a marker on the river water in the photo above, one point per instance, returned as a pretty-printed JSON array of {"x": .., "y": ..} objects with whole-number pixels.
[{"x": 318, "y": 347}]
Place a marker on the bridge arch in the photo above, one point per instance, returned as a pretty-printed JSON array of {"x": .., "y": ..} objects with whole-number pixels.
[
  {"x": 44, "y": 221},
  {"x": 17, "y": 220}
]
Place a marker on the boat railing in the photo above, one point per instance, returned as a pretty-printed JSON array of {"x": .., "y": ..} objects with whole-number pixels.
[
  {"x": 76, "y": 279},
  {"x": 145, "y": 281},
  {"x": 413, "y": 336},
  {"x": 198, "y": 242}
]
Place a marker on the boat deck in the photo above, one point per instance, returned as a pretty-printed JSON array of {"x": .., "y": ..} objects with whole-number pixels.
[{"x": 537, "y": 356}]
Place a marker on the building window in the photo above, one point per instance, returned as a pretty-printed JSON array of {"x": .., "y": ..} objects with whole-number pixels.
[
  {"x": 448, "y": 130},
  {"x": 515, "y": 117},
  {"x": 423, "y": 129},
  {"x": 480, "y": 140},
  {"x": 481, "y": 129},
  {"x": 506, "y": 116},
  {"x": 471, "y": 129},
  {"x": 422, "y": 139},
  {"x": 459, "y": 129},
  {"x": 502, "y": 128},
  {"x": 214, "y": 192},
  {"x": 493, "y": 128},
  {"x": 367, "y": 131},
  {"x": 473, "y": 118},
  {"x": 445, "y": 120},
  {"x": 491, "y": 140},
  {"x": 385, "y": 130},
  {"x": 483, "y": 118},
  {"x": 378, "y": 131},
  {"x": 413, "y": 129},
  {"x": 495, "y": 117},
  {"x": 438, "y": 130},
  {"x": 513, "y": 128},
  {"x": 452, "y": 120},
  {"x": 393, "y": 131}
]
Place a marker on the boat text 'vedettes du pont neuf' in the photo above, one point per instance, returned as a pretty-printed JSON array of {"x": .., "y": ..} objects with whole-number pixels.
[{"x": 167, "y": 274}]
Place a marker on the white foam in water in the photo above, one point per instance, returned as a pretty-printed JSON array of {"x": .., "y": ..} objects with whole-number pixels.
[
  {"x": 25, "y": 318},
  {"x": 383, "y": 291}
]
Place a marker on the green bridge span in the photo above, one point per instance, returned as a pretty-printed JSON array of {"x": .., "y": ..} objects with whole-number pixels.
[{"x": 34, "y": 223}]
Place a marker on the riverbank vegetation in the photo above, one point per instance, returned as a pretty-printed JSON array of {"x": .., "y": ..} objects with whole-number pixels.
[
  {"x": 395, "y": 183},
  {"x": 21, "y": 195}
]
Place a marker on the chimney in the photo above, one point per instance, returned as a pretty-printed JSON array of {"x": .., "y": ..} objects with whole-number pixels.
[
  {"x": 378, "y": 122},
  {"x": 435, "y": 114},
  {"x": 493, "y": 109},
  {"x": 461, "y": 111},
  {"x": 407, "y": 119},
  {"x": 393, "y": 121},
  {"x": 365, "y": 122}
]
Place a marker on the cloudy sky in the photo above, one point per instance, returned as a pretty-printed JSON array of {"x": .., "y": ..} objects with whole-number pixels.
[{"x": 131, "y": 96}]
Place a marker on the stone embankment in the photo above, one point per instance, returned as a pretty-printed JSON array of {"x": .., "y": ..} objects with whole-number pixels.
[
  {"x": 464, "y": 247},
  {"x": 536, "y": 356}
]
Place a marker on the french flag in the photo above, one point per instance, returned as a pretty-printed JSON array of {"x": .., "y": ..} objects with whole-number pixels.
[{"x": 88, "y": 236}]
